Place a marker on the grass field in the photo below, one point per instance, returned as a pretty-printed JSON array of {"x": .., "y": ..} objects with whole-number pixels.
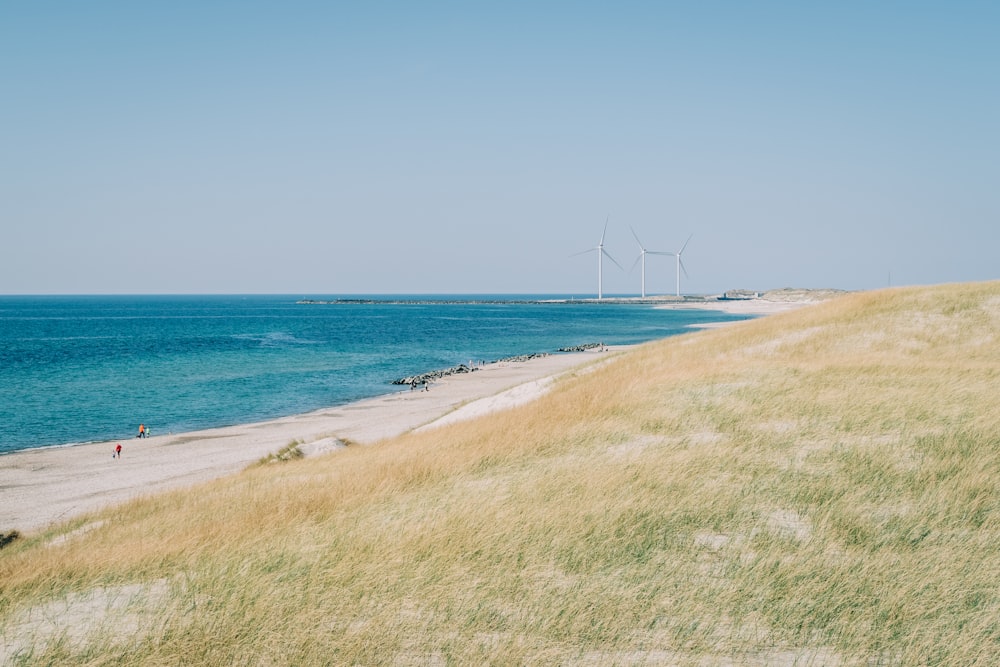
[{"x": 818, "y": 487}]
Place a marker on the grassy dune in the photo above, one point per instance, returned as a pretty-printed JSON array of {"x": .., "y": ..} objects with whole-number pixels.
[{"x": 813, "y": 488}]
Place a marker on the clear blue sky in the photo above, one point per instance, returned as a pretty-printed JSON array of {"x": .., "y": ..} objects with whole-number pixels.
[{"x": 383, "y": 147}]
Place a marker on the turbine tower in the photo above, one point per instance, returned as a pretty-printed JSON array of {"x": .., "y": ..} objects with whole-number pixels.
[
  {"x": 601, "y": 253},
  {"x": 680, "y": 265},
  {"x": 642, "y": 256}
]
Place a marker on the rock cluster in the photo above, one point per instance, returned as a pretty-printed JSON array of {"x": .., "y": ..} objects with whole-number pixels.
[
  {"x": 581, "y": 348},
  {"x": 430, "y": 376},
  {"x": 522, "y": 357}
]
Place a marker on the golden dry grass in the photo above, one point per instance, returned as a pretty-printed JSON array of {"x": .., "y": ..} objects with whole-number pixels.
[{"x": 812, "y": 488}]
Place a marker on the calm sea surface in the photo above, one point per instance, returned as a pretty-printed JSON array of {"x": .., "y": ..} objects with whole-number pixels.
[{"x": 80, "y": 369}]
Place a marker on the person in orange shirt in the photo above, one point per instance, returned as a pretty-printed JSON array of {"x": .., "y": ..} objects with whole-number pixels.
[{"x": 142, "y": 431}]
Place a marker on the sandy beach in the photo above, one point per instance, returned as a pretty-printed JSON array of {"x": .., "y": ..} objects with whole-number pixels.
[
  {"x": 737, "y": 306},
  {"x": 39, "y": 487},
  {"x": 42, "y": 486}
]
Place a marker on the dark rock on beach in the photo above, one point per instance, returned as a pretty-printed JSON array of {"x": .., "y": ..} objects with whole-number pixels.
[
  {"x": 522, "y": 357},
  {"x": 581, "y": 348},
  {"x": 430, "y": 376}
]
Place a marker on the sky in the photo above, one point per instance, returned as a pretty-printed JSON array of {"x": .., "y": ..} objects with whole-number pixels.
[{"x": 476, "y": 147}]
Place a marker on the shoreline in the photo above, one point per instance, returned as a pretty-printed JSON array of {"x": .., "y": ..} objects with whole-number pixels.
[
  {"x": 45, "y": 485},
  {"x": 758, "y": 306},
  {"x": 750, "y": 307}
]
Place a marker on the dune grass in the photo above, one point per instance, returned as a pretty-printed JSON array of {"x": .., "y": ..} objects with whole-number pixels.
[
  {"x": 289, "y": 452},
  {"x": 812, "y": 488}
]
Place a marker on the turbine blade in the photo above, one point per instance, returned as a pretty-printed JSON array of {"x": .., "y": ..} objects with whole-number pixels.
[
  {"x": 632, "y": 268},
  {"x": 605, "y": 228},
  {"x": 684, "y": 270},
  {"x": 583, "y": 252},
  {"x": 606, "y": 254},
  {"x": 685, "y": 245},
  {"x": 658, "y": 252},
  {"x": 636, "y": 237}
]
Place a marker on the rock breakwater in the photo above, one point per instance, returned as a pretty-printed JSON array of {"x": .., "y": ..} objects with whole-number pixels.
[
  {"x": 581, "y": 348},
  {"x": 430, "y": 376}
]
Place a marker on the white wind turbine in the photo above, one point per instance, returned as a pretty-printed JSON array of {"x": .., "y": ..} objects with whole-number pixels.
[
  {"x": 642, "y": 256},
  {"x": 680, "y": 264},
  {"x": 601, "y": 253}
]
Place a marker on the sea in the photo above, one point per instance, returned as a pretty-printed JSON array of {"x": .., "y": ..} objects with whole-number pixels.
[{"x": 77, "y": 369}]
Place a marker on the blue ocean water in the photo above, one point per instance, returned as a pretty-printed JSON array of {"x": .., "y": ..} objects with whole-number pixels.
[{"x": 92, "y": 368}]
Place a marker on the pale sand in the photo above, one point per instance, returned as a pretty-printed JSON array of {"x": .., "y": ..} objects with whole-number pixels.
[
  {"x": 759, "y": 306},
  {"x": 41, "y": 486},
  {"x": 738, "y": 306}
]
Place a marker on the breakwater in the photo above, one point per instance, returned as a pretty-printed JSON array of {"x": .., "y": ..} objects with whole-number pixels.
[
  {"x": 430, "y": 376},
  {"x": 581, "y": 348}
]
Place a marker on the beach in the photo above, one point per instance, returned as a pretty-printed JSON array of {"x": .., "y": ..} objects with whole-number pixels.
[
  {"x": 761, "y": 306},
  {"x": 39, "y": 487}
]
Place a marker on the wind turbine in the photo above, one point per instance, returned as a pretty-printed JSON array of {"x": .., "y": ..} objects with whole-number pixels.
[
  {"x": 680, "y": 264},
  {"x": 642, "y": 255},
  {"x": 601, "y": 253}
]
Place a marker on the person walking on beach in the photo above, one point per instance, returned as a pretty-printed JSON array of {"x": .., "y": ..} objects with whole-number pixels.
[
  {"x": 118, "y": 452},
  {"x": 142, "y": 431}
]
